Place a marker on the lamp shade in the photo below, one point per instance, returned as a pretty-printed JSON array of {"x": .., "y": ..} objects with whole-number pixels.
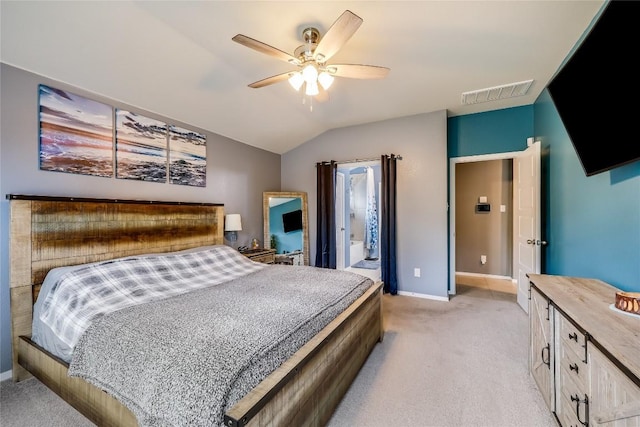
[
  {"x": 312, "y": 88},
  {"x": 296, "y": 80},
  {"x": 325, "y": 80},
  {"x": 232, "y": 222}
]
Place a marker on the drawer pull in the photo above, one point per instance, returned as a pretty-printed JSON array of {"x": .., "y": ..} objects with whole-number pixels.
[
  {"x": 576, "y": 399},
  {"x": 573, "y": 336},
  {"x": 573, "y": 367}
]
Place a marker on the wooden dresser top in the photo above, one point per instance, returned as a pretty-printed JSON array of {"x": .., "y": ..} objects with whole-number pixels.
[{"x": 587, "y": 302}]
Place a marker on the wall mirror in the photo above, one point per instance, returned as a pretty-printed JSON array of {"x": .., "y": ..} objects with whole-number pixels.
[{"x": 286, "y": 224}]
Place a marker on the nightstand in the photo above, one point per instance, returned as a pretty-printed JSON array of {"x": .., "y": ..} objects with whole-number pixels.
[{"x": 266, "y": 256}]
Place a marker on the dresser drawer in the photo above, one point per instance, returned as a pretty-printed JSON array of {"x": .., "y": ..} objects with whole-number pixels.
[
  {"x": 266, "y": 259},
  {"x": 572, "y": 337},
  {"x": 572, "y": 398},
  {"x": 567, "y": 412},
  {"x": 572, "y": 365},
  {"x": 265, "y": 256}
]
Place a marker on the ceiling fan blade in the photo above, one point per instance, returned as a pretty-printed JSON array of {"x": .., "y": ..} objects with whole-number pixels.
[
  {"x": 357, "y": 71},
  {"x": 265, "y": 48},
  {"x": 337, "y": 35},
  {"x": 270, "y": 80}
]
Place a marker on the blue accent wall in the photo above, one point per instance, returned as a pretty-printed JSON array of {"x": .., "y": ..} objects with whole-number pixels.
[
  {"x": 592, "y": 223},
  {"x": 285, "y": 242},
  {"x": 500, "y": 131}
]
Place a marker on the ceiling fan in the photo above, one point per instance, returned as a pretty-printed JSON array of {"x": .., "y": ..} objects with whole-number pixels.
[{"x": 314, "y": 73}]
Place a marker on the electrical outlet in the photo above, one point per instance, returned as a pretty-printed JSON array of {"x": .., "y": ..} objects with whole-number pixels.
[
  {"x": 483, "y": 259},
  {"x": 416, "y": 272}
]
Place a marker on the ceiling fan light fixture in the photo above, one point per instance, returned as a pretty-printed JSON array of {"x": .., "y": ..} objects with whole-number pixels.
[
  {"x": 312, "y": 88},
  {"x": 311, "y": 59},
  {"x": 310, "y": 73},
  {"x": 296, "y": 81},
  {"x": 325, "y": 79}
]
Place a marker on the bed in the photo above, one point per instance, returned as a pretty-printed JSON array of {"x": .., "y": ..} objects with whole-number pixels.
[{"x": 49, "y": 233}]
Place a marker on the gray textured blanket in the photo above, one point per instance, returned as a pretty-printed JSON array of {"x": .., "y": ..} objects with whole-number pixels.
[{"x": 185, "y": 360}]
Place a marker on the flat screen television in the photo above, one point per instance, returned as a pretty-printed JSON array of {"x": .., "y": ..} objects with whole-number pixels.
[
  {"x": 292, "y": 221},
  {"x": 595, "y": 91}
]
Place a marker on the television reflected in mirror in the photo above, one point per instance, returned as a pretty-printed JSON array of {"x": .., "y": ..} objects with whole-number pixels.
[{"x": 292, "y": 221}]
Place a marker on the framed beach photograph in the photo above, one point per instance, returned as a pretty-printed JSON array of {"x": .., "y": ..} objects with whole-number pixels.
[
  {"x": 141, "y": 147},
  {"x": 187, "y": 157},
  {"x": 76, "y": 133}
]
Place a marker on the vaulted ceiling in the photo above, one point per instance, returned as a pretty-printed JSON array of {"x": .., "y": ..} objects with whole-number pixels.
[{"x": 177, "y": 59}]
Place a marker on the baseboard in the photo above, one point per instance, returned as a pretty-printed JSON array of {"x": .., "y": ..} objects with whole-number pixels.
[
  {"x": 425, "y": 296},
  {"x": 491, "y": 276},
  {"x": 6, "y": 375}
]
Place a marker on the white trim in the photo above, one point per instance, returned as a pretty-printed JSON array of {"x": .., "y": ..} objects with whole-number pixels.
[
  {"x": 6, "y": 375},
  {"x": 484, "y": 157},
  {"x": 425, "y": 296}
]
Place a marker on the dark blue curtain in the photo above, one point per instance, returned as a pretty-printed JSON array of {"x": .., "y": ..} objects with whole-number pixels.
[
  {"x": 326, "y": 217},
  {"x": 388, "y": 219}
]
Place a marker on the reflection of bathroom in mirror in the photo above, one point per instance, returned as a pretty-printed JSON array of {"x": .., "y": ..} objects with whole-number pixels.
[{"x": 286, "y": 226}]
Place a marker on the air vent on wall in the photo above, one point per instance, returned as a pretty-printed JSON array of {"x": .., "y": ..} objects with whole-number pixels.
[{"x": 497, "y": 92}]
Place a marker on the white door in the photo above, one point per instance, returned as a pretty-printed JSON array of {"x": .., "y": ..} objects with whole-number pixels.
[
  {"x": 340, "y": 221},
  {"x": 527, "y": 239}
]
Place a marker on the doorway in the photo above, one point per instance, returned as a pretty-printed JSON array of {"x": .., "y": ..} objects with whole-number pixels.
[
  {"x": 525, "y": 215},
  {"x": 358, "y": 201}
]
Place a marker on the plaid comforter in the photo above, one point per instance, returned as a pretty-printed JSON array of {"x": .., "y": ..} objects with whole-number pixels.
[{"x": 86, "y": 294}]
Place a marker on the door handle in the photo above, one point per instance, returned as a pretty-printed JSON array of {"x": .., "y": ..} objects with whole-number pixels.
[{"x": 537, "y": 242}]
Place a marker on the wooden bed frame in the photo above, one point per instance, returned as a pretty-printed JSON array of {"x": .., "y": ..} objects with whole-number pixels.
[{"x": 48, "y": 232}]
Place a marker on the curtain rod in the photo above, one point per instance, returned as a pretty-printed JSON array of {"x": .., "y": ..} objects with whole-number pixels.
[
  {"x": 375, "y": 159},
  {"x": 399, "y": 157}
]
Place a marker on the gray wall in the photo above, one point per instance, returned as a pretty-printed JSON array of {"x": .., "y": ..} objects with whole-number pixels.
[
  {"x": 237, "y": 174},
  {"x": 484, "y": 233},
  {"x": 422, "y": 188}
]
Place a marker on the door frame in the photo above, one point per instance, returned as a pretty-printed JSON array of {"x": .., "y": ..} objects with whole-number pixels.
[{"x": 453, "y": 161}]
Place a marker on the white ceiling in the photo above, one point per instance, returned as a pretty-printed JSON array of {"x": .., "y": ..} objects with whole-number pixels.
[{"x": 177, "y": 59}]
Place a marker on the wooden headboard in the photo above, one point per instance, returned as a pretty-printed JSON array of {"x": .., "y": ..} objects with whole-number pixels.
[{"x": 48, "y": 232}]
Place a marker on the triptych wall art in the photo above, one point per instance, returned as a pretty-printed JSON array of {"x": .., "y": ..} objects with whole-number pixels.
[{"x": 77, "y": 136}]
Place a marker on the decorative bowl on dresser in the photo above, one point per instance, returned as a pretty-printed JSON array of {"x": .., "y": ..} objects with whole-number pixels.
[{"x": 628, "y": 301}]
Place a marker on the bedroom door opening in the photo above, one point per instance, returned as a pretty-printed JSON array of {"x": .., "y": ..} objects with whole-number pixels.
[
  {"x": 525, "y": 254},
  {"x": 358, "y": 187}
]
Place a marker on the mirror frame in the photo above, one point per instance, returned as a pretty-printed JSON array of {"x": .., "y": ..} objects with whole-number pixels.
[{"x": 305, "y": 218}]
